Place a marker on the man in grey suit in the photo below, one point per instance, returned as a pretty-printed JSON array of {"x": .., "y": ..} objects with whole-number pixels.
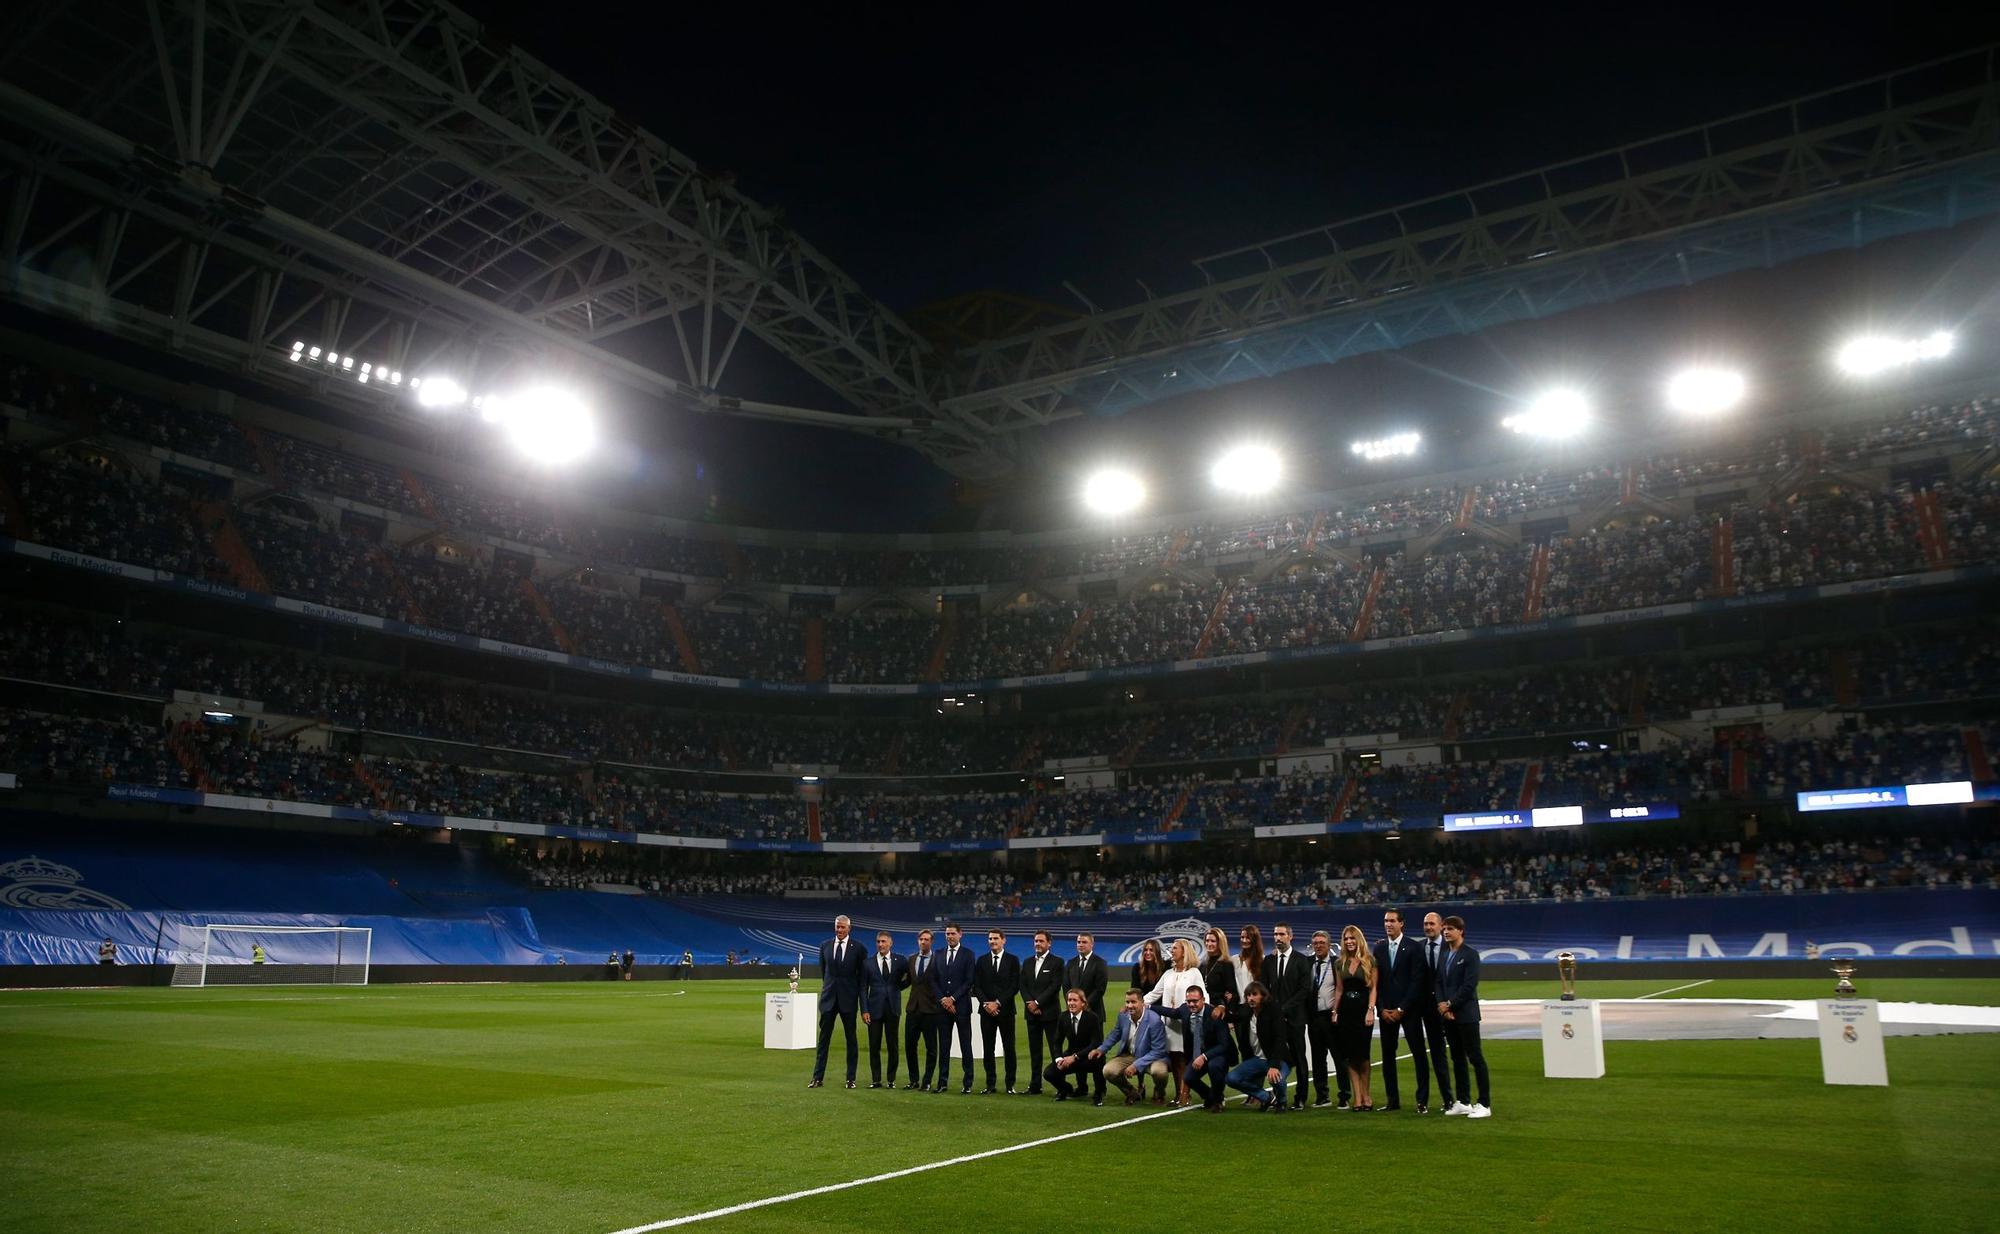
[{"x": 842, "y": 972}]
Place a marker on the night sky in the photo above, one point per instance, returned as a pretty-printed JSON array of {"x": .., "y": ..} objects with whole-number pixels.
[{"x": 1015, "y": 148}]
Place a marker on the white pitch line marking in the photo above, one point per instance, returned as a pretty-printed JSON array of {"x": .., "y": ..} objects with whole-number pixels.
[
  {"x": 787, "y": 1198},
  {"x": 1675, "y": 989}
]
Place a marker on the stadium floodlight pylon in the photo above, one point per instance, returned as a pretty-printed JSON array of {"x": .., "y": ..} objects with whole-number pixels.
[{"x": 291, "y": 955}]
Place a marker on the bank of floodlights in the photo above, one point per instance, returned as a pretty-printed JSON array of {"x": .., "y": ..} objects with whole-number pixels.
[
  {"x": 1870, "y": 354},
  {"x": 1247, "y": 470},
  {"x": 1706, "y": 391},
  {"x": 1112, "y": 492},
  {"x": 1556, "y": 414},
  {"x": 1399, "y": 445}
]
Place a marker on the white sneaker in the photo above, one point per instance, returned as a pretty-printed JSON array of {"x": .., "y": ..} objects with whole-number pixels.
[
  {"x": 1479, "y": 1111},
  {"x": 1457, "y": 1107}
]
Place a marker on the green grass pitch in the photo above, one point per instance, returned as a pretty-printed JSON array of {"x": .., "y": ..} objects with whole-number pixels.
[{"x": 596, "y": 1107}]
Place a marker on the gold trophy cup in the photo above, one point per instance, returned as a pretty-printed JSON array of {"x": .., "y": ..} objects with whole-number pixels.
[
  {"x": 1566, "y": 969},
  {"x": 1843, "y": 969}
]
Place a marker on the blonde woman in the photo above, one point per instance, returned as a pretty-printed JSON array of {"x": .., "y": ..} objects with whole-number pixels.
[
  {"x": 1354, "y": 1013},
  {"x": 1171, "y": 991}
]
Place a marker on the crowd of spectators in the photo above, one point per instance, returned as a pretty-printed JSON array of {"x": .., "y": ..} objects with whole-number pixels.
[
  {"x": 1390, "y": 874},
  {"x": 1910, "y": 667}
]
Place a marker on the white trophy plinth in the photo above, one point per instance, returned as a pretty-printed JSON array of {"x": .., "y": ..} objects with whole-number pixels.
[
  {"x": 1572, "y": 1040},
  {"x": 1850, "y": 1041},
  {"x": 790, "y": 1021}
]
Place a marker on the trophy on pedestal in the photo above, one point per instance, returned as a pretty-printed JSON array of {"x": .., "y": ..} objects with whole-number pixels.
[
  {"x": 1566, "y": 969},
  {"x": 1844, "y": 970}
]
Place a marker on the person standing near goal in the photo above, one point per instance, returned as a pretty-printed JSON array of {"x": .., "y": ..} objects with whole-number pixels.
[{"x": 257, "y": 953}]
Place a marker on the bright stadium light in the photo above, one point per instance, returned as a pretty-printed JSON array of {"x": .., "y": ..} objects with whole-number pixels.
[
  {"x": 546, "y": 424},
  {"x": 314, "y": 353},
  {"x": 1112, "y": 491},
  {"x": 1558, "y": 413},
  {"x": 1705, "y": 391},
  {"x": 1396, "y": 446},
  {"x": 1247, "y": 469},
  {"x": 438, "y": 392},
  {"x": 1870, "y": 354}
]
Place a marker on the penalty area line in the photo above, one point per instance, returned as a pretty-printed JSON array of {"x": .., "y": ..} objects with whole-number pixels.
[
  {"x": 1676, "y": 989},
  {"x": 808, "y": 1193}
]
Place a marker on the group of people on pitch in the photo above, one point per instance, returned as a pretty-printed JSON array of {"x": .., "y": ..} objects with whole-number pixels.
[{"x": 1195, "y": 1017}]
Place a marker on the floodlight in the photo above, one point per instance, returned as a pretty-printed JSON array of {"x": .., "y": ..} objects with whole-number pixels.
[
  {"x": 438, "y": 392},
  {"x": 1247, "y": 469},
  {"x": 546, "y": 424},
  {"x": 333, "y": 357},
  {"x": 1705, "y": 391},
  {"x": 395, "y": 379},
  {"x": 347, "y": 362},
  {"x": 1558, "y": 413},
  {"x": 1876, "y": 353},
  {"x": 298, "y": 351},
  {"x": 1112, "y": 491},
  {"x": 1395, "y": 446},
  {"x": 314, "y": 353}
]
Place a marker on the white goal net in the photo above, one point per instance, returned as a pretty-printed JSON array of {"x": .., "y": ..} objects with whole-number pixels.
[{"x": 276, "y": 955}]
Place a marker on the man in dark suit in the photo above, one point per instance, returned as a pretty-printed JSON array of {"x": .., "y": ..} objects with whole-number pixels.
[
  {"x": 951, "y": 981},
  {"x": 1265, "y": 1062},
  {"x": 996, "y": 983},
  {"x": 1320, "y": 1039},
  {"x": 1087, "y": 972},
  {"x": 842, "y": 971},
  {"x": 1287, "y": 978},
  {"x": 1433, "y": 949},
  {"x": 1400, "y": 988},
  {"x": 1041, "y": 1005},
  {"x": 922, "y": 1021},
  {"x": 1077, "y": 1033},
  {"x": 888, "y": 976},
  {"x": 1210, "y": 1050},
  {"x": 1458, "y": 1003}
]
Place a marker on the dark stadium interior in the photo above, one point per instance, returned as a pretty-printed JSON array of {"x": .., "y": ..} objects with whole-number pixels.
[{"x": 512, "y": 494}]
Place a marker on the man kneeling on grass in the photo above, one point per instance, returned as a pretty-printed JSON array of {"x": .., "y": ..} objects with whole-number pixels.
[
  {"x": 1138, "y": 1044},
  {"x": 1268, "y": 1060}
]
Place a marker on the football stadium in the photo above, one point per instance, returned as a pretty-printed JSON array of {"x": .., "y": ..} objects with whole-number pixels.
[{"x": 1317, "y": 628}]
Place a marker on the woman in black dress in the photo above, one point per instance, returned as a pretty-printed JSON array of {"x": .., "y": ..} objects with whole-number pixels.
[{"x": 1354, "y": 1014}]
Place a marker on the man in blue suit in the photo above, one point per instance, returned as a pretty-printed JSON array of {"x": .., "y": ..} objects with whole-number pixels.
[
  {"x": 1210, "y": 1048},
  {"x": 951, "y": 981},
  {"x": 842, "y": 971},
  {"x": 1458, "y": 1003},
  {"x": 888, "y": 977},
  {"x": 1401, "y": 985},
  {"x": 1137, "y": 1046}
]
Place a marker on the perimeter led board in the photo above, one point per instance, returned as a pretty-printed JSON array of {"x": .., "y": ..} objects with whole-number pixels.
[
  {"x": 1560, "y": 816},
  {"x": 1878, "y": 797}
]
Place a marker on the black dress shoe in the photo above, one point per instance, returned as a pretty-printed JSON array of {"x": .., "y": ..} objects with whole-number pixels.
[
  {"x": 1321, "y": 1103},
  {"x": 814, "y": 1084},
  {"x": 850, "y": 1084},
  {"x": 913, "y": 1084},
  {"x": 967, "y": 1091},
  {"x": 938, "y": 1089},
  {"x": 1097, "y": 1101},
  {"x": 1393, "y": 1105},
  {"x": 1423, "y": 1107},
  {"x": 988, "y": 1091},
  {"x": 1062, "y": 1096},
  {"x": 1010, "y": 1091},
  {"x": 874, "y": 1084},
  {"x": 1345, "y": 1104},
  {"x": 1035, "y": 1090}
]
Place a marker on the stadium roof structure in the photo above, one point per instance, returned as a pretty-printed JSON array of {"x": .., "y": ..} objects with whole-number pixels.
[{"x": 388, "y": 179}]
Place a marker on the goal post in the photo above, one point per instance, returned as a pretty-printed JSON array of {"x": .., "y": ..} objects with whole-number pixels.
[{"x": 256, "y": 955}]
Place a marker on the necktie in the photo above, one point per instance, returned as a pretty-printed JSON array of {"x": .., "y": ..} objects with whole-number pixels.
[
  {"x": 839, "y": 952},
  {"x": 1433, "y": 956},
  {"x": 1392, "y": 957},
  {"x": 1319, "y": 973},
  {"x": 883, "y": 963},
  {"x": 1281, "y": 965}
]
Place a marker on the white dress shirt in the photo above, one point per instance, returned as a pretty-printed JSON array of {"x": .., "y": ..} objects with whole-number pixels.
[{"x": 1171, "y": 991}]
